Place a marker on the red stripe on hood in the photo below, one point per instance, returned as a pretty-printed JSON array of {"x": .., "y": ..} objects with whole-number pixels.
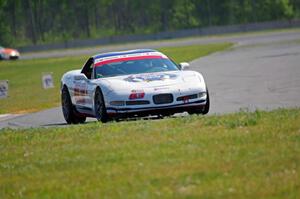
[{"x": 128, "y": 59}]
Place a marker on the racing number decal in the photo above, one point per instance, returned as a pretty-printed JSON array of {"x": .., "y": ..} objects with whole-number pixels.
[{"x": 80, "y": 92}]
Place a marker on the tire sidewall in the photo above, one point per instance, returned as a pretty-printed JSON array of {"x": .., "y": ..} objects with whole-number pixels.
[
  {"x": 100, "y": 113},
  {"x": 207, "y": 105},
  {"x": 67, "y": 108}
]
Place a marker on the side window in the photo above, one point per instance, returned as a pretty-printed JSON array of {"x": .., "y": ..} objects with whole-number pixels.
[
  {"x": 94, "y": 72},
  {"x": 88, "y": 68}
]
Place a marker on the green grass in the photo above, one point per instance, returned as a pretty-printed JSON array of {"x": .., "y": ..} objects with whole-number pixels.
[
  {"x": 25, "y": 87},
  {"x": 242, "y": 155}
]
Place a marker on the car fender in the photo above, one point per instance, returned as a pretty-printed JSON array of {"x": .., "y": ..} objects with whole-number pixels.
[{"x": 105, "y": 89}]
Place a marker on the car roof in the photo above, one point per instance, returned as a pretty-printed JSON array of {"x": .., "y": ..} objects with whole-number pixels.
[{"x": 109, "y": 54}]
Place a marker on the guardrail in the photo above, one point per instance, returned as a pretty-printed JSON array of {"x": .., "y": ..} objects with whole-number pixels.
[{"x": 213, "y": 30}]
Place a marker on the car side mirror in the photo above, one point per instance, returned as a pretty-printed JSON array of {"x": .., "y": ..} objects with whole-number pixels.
[
  {"x": 184, "y": 65},
  {"x": 80, "y": 76}
]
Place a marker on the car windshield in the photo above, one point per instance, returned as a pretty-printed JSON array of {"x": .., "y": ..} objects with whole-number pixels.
[{"x": 135, "y": 67}]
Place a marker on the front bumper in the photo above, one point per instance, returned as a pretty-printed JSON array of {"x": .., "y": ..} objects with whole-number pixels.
[{"x": 160, "y": 110}]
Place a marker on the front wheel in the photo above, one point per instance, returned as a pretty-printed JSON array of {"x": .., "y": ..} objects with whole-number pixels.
[
  {"x": 207, "y": 105},
  {"x": 203, "y": 110},
  {"x": 100, "y": 109},
  {"x": 68, "y": 110}
]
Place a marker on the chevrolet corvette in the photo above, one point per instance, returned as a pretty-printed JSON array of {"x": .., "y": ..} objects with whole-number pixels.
[{"x": 136, "y": 83}]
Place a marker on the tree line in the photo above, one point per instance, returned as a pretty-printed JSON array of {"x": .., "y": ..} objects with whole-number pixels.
[{"x": 24, "y": 22}]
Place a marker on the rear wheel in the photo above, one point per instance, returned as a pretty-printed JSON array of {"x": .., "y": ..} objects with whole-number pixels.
[
  {"x": 100, "y": 109},
  {"x": 68, "y": 110}
]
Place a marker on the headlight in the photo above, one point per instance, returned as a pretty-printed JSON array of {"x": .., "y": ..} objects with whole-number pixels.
[{"x": 14, "y": 53}]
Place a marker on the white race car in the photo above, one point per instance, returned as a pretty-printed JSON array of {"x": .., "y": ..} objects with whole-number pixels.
[{"x": 134, "y": 83}]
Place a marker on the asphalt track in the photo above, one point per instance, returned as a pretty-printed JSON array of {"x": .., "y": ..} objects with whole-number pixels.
[{"x": 262, "y": 71}]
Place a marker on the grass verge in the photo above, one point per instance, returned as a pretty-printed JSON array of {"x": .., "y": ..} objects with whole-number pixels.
[
  {"x": 242, "y": 155},
  {"x": 25, "y": 86}
]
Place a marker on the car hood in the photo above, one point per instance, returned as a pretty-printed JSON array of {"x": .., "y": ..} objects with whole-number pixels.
[
  {"x": 154, "y": 80},
  {"x": 9, "y": 51}
]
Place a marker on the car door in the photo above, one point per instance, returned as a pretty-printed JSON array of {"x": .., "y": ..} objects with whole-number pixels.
[
  {"x": 83, "y": 87},
  {"x": 80, "y": 90}
]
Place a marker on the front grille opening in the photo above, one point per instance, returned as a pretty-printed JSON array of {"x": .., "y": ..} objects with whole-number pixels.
[
  {"x": 137, "y": 102},
  {"x": 163, "y": 99}
]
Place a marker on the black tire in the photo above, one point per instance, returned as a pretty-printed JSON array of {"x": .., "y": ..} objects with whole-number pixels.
[
  {"x": 207, "y": 105},
  {"x": 100, "y": 109},
  {"x": 68, "y": 110},
  {"x": 13, "y": 58},
  {"x": 203, "y": 110}
]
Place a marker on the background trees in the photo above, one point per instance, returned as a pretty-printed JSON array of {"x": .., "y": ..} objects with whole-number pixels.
[{"x": 25, "y": 22}]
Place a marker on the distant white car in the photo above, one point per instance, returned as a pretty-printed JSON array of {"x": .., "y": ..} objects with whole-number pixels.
[{"x": 134, "y": 83}]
